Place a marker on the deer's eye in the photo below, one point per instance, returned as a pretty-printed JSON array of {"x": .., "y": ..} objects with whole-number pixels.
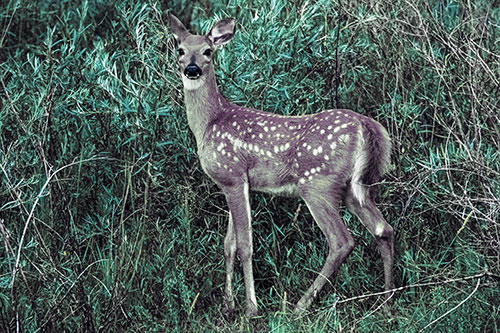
[
  {"x": 181, "y": 52},
  {"x": 208, "y": 52}
]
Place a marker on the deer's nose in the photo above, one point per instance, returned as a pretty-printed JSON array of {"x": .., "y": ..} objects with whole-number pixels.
[{"x": 192, "y": 71}]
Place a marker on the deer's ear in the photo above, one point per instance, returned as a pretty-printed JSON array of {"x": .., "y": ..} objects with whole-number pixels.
[
  {"x": 222, "y": 32},
  {"x": 178, "y": 29}
]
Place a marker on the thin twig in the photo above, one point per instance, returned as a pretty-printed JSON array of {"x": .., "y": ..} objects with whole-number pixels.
[
  {"x": 453, "y": 308},
  {"x": 479, "y": 275},
  {"x": 296, "y": 215},
  {"x": 32, "y": 212},
  {"x": 337, "y": 65}
]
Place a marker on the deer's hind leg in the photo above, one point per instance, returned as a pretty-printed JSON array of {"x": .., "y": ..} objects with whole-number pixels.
[
  {"x": 324, "y": 209},
  {"x": 373, "y": 220}
]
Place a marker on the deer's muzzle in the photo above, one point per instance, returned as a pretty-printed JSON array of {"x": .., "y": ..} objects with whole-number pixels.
[{"x": 192, "y": 72}]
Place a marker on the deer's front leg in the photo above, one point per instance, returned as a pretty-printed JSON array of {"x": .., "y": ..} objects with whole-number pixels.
[
  {"x": 238, "y": 200},
  {"x": 229, "y": 254}
]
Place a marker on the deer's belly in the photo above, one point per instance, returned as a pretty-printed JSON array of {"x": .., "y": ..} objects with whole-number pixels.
[
  {"x": 287, "y": 190},
  {"x": 273, "y": 178}
]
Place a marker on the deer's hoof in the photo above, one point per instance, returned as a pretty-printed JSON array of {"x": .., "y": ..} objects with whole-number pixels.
[
  {"x": 302, "y": 305},
  {"x": 228, "y": 308},
  {"x": 251, "y": 311}
]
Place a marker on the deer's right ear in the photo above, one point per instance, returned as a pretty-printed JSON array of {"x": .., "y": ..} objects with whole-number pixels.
[
  {"x": 222, "y": 32},
  {"x": 177, "y": 28}
]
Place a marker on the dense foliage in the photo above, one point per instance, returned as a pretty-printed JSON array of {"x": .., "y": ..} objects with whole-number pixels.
[{"x": 109, "y": 224}]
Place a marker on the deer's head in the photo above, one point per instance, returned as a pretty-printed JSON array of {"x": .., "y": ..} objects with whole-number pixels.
[{"x": 195, "y": 51}]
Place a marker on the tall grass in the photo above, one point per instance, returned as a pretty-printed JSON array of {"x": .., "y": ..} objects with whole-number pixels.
[{"x": 109, "y": 224}]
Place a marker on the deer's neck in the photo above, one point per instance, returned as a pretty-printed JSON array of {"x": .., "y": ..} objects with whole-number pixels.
[{"x": 203, "y": 104}]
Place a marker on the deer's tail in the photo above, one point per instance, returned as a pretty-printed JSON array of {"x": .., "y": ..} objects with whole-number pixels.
[{"x": 371, "y": 159}]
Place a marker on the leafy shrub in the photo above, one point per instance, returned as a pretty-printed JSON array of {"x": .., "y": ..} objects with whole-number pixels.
[{"x": 109, "y": 224}]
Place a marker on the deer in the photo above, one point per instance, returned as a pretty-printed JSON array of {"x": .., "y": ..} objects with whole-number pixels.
[{"x": 325, "y": 159}]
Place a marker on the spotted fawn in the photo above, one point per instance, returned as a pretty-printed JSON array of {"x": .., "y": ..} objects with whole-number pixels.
[{"x": 324, "y": 158}]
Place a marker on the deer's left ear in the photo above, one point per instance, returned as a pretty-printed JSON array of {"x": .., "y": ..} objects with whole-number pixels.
[
  {"x": 222, "y": 32},
  {"x": 178, "y": 29}
]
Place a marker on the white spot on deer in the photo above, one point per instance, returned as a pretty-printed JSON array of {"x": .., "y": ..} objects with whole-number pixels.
[
  {"x": 273, "y": 128},
  {"x": 237, "y": 144},
  {"x": 235, "y": 123},
  {"x": 326, "y": 157},
  {"x": 250, "y": 146},
  {"x": 269, "y": 154},
  {"x": 333, "y": 145},
  {"x": 318, "y": 169},
  {"x": 261, "y": 135},
  {"x": 315, "y": 152},
  {"x": 302, "y": 180},
  {"x": 336, "y": 129},
  {"x": 276, "y": 149},
  {"x": 330, "y": 136},
  {"x": 330, "y": 127},
  {"x": 309, "y": 147},
  {"x": 320, "y": 149},
  {"x": 313, "y": 171},
  {"x": 337, "y": 121},
  {"x": 299, "y": 154},
  {"x": 344, "y": 125},
  {"x": 218, "y": 134},
  {"x": 236, "y": 159},
  {"x": 379, "y": 230},
  {"x": 322, "y": 132},
  {"x": 266, "y": 129},
  {"x": 285, "y": 146},
  {"x": 344, "y": 138},
  {"x": 304, "y": 144}
]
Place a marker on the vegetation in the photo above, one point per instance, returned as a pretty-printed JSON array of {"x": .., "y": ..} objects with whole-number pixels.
[{"x": 109, "y": 224}]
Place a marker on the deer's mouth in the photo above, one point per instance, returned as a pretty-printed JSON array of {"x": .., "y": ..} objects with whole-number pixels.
[{"x": 193, "y": 77}]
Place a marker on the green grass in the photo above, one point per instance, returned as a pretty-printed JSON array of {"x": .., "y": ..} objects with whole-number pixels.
[{"x": 113, "y": 226}]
